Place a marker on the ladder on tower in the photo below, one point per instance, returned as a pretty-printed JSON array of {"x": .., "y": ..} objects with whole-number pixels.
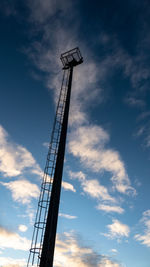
[{"x": 46, "y": 187}]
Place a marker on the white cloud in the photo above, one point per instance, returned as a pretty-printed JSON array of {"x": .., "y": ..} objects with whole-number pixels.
[
  {"x": 69, "y": 252},
  {"x": 45, "y": 56},
  {"x": 67, "y": 216},
  {"x": 11, "y": 262},
  {"x": 84, "y": 92},
  {"x": 77, "y": 175},
  {"x": 95, "y": 190},
  {"x": 108, "y": 263},
  {"x": 110, "y": 209},
  {"x": 14, "y": 158},
  {"x": 88, "y": 143},
  {"x": 145, "y": 237},
  {"x": 13, "y": 240},
  {"x": 92, "y": 187},
  {"x": 47, "y": 60},
  {"x": 22, "y": 190},
  {"x": 68, "y": 186},
  {"x": 113, "y": 250},
  {"x": 117, "y": 230},
  {"x": 22, "y": 228}
]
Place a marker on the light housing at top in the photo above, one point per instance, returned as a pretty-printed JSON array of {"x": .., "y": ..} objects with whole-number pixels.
[{"x": 71, "y": 58}]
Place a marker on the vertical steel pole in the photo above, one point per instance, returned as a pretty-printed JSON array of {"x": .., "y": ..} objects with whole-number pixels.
[{"x": 47, "y": 254}]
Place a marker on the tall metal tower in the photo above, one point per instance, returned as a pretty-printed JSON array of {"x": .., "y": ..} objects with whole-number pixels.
[{"x": 44, "y": 234}]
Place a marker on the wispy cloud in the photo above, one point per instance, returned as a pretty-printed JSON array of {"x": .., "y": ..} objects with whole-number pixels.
[
  {"x": 110, "y": 208},
  {"x": 117, "y": 230},
  {"x": 88, "y": 144},
  {"x": 57, "y": 36},
  {"x": 69, "y": 249},
  {"x": 11, "y": 262},
  {"x": 84, "y": 92},
  {"x": 15, "y": 159},
  {"x": 134, "y": 67},
  {"x": 13, "y": 240},
  {"x": 22, "y": 190},
  {"x": 47, "y": 60},
  {"x": 67, "y": 216},
  {"x": 57, "y": 39},
  {"x": 114, "y": 250},
  {"x": 94, "y": 189},
  {"x": 77, "y": 175},
  {"x": 22, "y": 228},
  {"x": 67, "y": 186},
  {"x": 92, "y": 77},
  {"x": 145, "y": 237}
]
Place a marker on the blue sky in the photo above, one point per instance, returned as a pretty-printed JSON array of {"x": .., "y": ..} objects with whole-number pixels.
[{"x": 104, "y": 216}]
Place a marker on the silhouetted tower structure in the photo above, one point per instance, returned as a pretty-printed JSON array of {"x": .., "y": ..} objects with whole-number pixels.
[{"x": 44, "y": 235}]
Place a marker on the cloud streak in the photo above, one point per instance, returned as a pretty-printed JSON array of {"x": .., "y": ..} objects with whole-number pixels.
[
  {"x": 22, "y": 228},
  {"x": 110, "y": 209},
  {"x": 15, "y": 159},
  {"x": 68, "y": 187},
  {"x": 70, "y": 251},
  {"x": 88, "y": 144},
  {"x": 145, "y": 237},
  {"x": 94, "y": 189},
  {"x": 13, "y": 240},
  {"x": 67, "y": 216},
  {"x": 117, "y": 230},
  {"x": 11, "y": 262},
  {"x": 22, "y": 190}
]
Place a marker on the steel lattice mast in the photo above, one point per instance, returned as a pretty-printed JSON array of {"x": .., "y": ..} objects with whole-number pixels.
[{"x": 43, "y": 241}]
